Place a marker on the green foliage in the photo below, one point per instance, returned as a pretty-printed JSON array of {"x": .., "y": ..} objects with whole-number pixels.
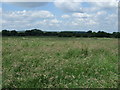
[
  {"x": 37, "y": 32},
  {"x": 73, "y": 53},
  {"x": 47, "y": 62}
]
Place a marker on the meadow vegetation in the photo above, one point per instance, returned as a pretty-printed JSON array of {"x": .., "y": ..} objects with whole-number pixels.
[{"x": 46, "y": 62}]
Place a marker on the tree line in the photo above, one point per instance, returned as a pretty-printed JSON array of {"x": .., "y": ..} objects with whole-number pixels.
[{"x": 37, "y": 32}]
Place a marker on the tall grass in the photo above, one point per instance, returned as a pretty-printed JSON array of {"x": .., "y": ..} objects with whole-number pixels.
[{"x": 32, "y": 62}]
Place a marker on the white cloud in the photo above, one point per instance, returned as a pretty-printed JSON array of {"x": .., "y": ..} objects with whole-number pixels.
[
  {"x": 26, "y": 19},
  {"x": 81, "y": 15},
  {"x": 54, "y": 21},
  {"x": 41, "y": 14},
  {"x": 112, "y": 19},
  {"x": 28, "y": 4},
  {"x": 109, "y": 4},
  {"x": 0, "y": 10},
  {"x": 91, "y": 9},
  {"x": 59, "y": 0},
  {"x": 65, "y": 16},
  {"x": 91, "y": 22},
  {"x": 49, "y": 21},
  {"x": 68, "y": 5},
  {"x": 112, "y": 16},
  {"x": 74, "y": 23},
  {"x": 29, "y": 19},
  {"x": 26, "y": 15},
  {"x": 84, "y": 22},
  {"x": 77, "y": 6},
  {"x": 101, "y": 13}
]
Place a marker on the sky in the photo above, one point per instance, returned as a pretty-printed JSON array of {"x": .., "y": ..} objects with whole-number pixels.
[{"x": 60, "y": 16}]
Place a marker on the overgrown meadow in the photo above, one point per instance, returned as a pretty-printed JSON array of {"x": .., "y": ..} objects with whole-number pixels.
[{"x": 54, "y": 62}]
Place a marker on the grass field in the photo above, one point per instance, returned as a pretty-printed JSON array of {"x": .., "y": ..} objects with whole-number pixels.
[{"x": 46, "y": 62}]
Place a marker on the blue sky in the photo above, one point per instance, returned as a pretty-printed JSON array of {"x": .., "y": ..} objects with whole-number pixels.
[{"x": 60, "y": 16}]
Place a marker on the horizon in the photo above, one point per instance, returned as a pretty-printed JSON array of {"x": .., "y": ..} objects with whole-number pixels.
[{"x": 61, "y": 31}]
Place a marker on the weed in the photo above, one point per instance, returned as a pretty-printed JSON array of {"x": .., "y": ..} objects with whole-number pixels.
[{"x": 47, "y": 62}]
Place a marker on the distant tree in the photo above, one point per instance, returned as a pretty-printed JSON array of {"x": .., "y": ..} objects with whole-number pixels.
[
  {"x": 102, "y": 34},
  {"x": 21, "y": 34},
  {"x": 78, "y": 35},
  {"x": 5, "y": 33},
  {"x": 34, "y": 32},
  {"x": 66, "y": 34},
  {"x": 50, "y": 33},
  {"x": 116, "y": 34},
  {"x": 89, "y": 31},
  {"x": 37, "y": 32},
  {"x": 14, "y": 33}
]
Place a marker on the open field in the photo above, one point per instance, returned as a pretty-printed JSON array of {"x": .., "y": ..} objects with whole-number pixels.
[{"x": 46, "y": 62}]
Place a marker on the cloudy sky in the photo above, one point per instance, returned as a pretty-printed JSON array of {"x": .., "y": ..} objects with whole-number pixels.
[{"x": 60, "y": 16}]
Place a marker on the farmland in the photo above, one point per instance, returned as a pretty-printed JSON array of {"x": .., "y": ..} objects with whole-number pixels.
[{"x": 58, "y": 62}]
